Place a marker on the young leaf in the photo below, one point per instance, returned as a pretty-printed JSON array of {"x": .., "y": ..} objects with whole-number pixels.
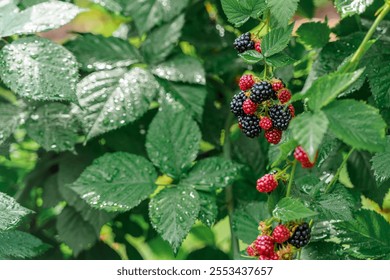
[
  {"x": 172, "y": 141},
  {"x": 161, "y": 41},
  {"x": 208, "y": 208},
  {"x": 39, "y": 69},
  {"x": 381, "y": 163},
  {"x": 212, "y": 173},
  {"x": 9, "y": 120},
  {"x": 11, "y": 212},
  {"x": 38, "y": 18},
  {"x": 116, "y": 182},
  {"x": 20, "y": 245},
  {"x": 113, "y": 98},
  {"x": 351, "y": 7},
  {"x": 289, "y": 209},
  {"x": 367, "y": 236},
  {"x": 357, "y": 124},
  {"x": 246, "y": 220},
  {"x": 239, "y": 11},
  {"x": 150, "y": 13},
  {"x": 95, "y": 52},
  {"x": 314, "y": 34},
  {"x": 176, "y": 70},
  {"x": 280, "y": 60},
  {"x": 308, "y": 130},
  {"x": 276, "y": 41},
  {"x": 53, "y": 127},
  {"x": 283, "y": 10},
  {"x": 251, "y": 56},
  {"x": 172, "y": 213},
  {"x": 326, "y": 89}
]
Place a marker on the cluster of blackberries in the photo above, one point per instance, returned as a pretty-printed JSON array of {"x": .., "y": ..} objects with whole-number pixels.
[
  {"x": 280, "y": 243},
  {"x": 301, "y": 236},
  {"x": 247, "y": 42},
  {"x": 260, "y": 105}
]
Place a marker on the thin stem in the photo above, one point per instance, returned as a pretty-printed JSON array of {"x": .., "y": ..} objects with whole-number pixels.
[
  {"x": 363, "y": 46},
  {"x": 229, "y": 190},
  {"x": 336, "y": 176},
  {"x": 294, "y": 167}
]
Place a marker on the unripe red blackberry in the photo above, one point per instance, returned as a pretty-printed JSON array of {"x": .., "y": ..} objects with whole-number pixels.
[
  {"x": 251, "y": 251},
  {"x": 302, "y": 157},
  {"x": 258, "y": 46},
  {"x": 280, "y": 234},
  {"x": 249, "y": 107},
  {"x": 267, "y": 183},
  {"x": 277, "y": 85},
  {"x": 264, "y": 245},
  {"x": 265, "y": 123},
  {"x": 273, "y": 136},
  {"x": 273, "y": 256},
  {"x": 246, "y": 82},
  {"x": 284, "y": 96},
  {"x": 292, "y": 110}
]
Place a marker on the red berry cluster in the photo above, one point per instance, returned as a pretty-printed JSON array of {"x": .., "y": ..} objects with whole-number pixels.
[
  {"x": 303, "y": 158},
  {"x": 269, "y": 246},
  {"x": 262, "y": 102}
]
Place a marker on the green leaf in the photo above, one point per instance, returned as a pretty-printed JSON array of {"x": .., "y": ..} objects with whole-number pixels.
[
  {"x": 20, "y": 245},
  {"x": 208, "y": 208},
  {"x": 357, "y": 124},
  {"x": 11, "y": 212},
  {"x": 116, "y": 182},
  {"x": 172, "y": 141},
  {"x": 276, "y": 40},
  {"x": 53, "y": 127},
  {"x": 280, "y": 60},
  {"x": 9, "y": 120},
  {"x": 323, "y": 250},
  {"x": 279, "y": 153},
  {"x": 337, "y": 205},
  {"x": 39, "y": 69},
  {"x": 251, "y": 56},
  {"x": 351, "y": 7},
  {"x": 289, "y": 209},
  {"x": 161, "y": 41},
  {"x": 239, "y": 11},
  {"x": 38, "y": 18},
  {"x": 111, "y": 5},
  {"x": 246, "y": 220},
  {"x": 172, "y": 213},
  {"x": 381, "y": 163},
  {"x": 176, "y": 70},
  {"x": 283, "y": 10},
  {"x": 77, "y": 233},
  {"x": 212, "y": 173},
  {"x": 150, "y": 13},
  {"x": 308, "y": 130},
  {"x": 367, "y": 236},
  {"x": 113, "y": 98},
  {"x": 328, "y": 87},
  {"x": 192, "y": 97},
  {"x": 314, "y": 34},
  {"x": 95, "y": 52},
  {"x": 378, "y": 72}
]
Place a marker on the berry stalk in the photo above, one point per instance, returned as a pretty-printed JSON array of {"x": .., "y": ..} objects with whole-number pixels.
[{"x": 336, "y": 176}]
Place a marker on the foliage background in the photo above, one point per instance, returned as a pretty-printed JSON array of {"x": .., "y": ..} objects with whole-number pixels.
[{"x": 133, "y": 70}]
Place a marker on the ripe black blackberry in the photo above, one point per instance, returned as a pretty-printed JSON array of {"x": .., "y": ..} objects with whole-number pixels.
[
  {"x": 244, "y": 43},
  {"x": 280, "y": 117},
  {"x": 250, "y": 125},
  {"x": 261, "y": 92},
  {"x": 236, "y": 104},
  {"x": 301, "y": 236}
]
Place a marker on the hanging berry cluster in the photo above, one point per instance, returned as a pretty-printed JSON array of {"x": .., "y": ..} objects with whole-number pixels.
[{"x": 280, "y": 243}]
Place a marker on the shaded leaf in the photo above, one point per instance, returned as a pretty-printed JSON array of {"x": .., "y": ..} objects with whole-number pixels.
[
  {"x": 11, "y": 212},
  {"x": 208, "y": 208},
  {"x": 381, "y": 163},
  {"x": 9, "y": 120},
  {"x": 20, "y": 245}
]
